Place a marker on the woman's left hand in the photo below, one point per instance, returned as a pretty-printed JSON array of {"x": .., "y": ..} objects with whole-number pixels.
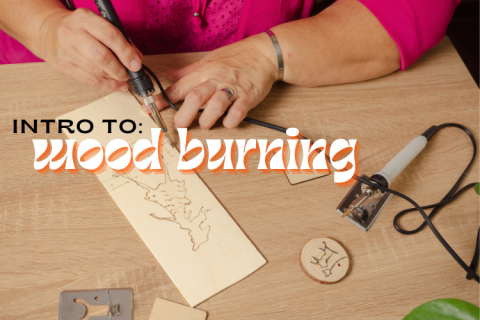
[{"x": 246, "y": 67}]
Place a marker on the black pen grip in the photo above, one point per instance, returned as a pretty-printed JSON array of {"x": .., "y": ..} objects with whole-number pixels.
[
  {"x": 107, "y": 11},
  {"x": 141, "y": 83}
]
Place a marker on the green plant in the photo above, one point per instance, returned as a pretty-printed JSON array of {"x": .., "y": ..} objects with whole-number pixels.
[{"x": 445, "y": 309}]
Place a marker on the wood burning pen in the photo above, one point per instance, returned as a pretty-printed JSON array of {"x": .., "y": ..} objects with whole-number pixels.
[{"x": 141, "y": 82}]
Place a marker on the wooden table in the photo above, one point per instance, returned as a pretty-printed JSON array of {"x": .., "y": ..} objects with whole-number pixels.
[{"x": 61, "y": 232}]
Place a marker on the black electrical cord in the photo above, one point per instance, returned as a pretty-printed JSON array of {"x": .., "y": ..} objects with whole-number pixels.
[
  {"x": 451, "y": 194},
  {"x": 247, "y": 119},
  {"x": 449, "y": 197}
]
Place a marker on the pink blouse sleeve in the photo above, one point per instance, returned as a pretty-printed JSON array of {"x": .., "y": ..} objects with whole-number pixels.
[{"x": 415, "y": 25}]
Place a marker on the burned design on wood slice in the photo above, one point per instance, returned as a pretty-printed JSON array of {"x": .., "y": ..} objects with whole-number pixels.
[{"x": 324, "y": 261}]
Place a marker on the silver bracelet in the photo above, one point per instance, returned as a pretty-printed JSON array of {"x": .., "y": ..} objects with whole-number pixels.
[{"x": 278, "y": 52}]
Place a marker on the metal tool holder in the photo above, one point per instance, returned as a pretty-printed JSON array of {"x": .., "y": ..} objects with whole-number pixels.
[
  {"x": 119, "y": 301},
  {"x": 365, "y": 216}
]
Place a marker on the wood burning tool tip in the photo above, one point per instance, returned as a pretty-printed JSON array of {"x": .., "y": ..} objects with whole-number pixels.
[{"x": 141, "y": 82}]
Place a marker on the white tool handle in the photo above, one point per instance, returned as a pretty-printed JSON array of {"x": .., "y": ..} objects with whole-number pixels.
[{"x": 402, "y": 159}]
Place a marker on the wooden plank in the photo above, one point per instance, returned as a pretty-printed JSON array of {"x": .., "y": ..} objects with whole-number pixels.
[
  {"x": 166, "y": 310},
  {"x": 185, "y": 227}
]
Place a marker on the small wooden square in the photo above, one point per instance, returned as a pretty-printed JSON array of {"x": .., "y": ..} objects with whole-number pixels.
[{"x": 167, "y": 310}]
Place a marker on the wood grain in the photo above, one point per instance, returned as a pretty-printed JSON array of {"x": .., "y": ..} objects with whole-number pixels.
[
  {"x": 60, "y": 232},
  {"x": 188, "y": 231}
]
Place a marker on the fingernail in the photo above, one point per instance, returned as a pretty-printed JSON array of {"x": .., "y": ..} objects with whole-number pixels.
[
  {"x": 124, "y": 87},
  {"x": 135, "y": 65}
]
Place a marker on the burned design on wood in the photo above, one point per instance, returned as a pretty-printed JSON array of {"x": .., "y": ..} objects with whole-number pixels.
[
  {"x": 328, "y": 261},
  {"x": 172, "y": 196}
]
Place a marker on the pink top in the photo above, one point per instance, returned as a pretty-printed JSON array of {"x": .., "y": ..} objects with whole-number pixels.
[
  {"x": 415, "y": 25},
  {"x": 172, "y": 27},
  {"x": 167, "y": 26}
]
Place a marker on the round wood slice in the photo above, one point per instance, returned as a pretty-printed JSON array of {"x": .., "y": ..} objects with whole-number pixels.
[{"x": 324, "y": 260}]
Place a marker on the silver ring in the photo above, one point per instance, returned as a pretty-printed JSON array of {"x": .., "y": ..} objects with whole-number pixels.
[{"x": 229, "y": 92}]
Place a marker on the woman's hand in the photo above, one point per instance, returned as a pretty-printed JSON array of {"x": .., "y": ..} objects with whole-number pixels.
[
  {"x": 78, "y": 44},
  {"x": 247, "y": 67}
]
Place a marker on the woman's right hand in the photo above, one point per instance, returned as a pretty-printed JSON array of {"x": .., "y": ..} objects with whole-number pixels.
[{"x": 78, "y": 44}]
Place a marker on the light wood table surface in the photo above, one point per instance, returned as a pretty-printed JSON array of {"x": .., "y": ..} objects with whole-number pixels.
[{"x": 60, "y": 232}]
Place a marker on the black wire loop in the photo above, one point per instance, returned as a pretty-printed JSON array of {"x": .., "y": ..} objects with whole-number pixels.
[{"x": 449, "y": 197}]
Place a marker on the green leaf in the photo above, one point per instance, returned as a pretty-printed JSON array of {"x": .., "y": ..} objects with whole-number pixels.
[
  {"x": 477, "y": 188},
  {"x": 445, "y": 309}
]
